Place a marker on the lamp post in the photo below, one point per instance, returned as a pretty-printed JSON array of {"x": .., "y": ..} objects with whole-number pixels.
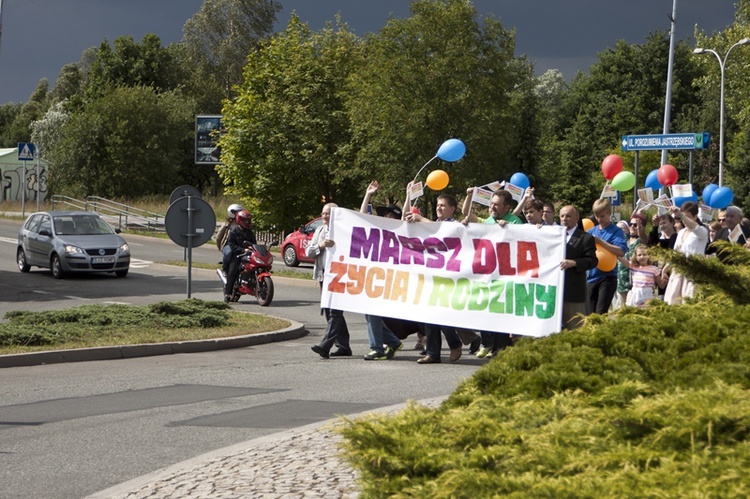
[{"x": 722, "y": 65}]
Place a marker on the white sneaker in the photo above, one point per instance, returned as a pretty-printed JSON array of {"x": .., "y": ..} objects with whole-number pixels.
[{"x": 484, "y": 352}]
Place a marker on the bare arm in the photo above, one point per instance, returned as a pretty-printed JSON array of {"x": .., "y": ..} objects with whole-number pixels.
[
  {"x": 371, "y": 189},
  {"x": 466, "y": 208}
]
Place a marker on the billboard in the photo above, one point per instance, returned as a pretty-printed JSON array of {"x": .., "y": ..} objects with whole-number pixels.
[{"x": 208, "y": 127}]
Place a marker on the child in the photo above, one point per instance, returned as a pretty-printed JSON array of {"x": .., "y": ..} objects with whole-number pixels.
[{"x": 643, "y": 274}]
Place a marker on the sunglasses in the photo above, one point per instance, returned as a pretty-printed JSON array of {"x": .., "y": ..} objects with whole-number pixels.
[
  {"x": 633, "y": 224},
  {"x": 722, "y": 219}
]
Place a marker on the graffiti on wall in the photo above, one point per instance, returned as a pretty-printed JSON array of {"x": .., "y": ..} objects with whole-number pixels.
[{"x": 11, "y": 184}]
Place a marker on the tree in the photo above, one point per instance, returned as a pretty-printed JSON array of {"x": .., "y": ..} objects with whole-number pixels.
[
  {"x": 623, "y": 95},
  {"x": 288, "y": 142},
  {"x": 19, "y": 130},
  {"x": 129, "y": 142},
  {"x": 127, "y": 63},
  {"x": 435, "y": 75},
  {"x": 217, "y": 41}
]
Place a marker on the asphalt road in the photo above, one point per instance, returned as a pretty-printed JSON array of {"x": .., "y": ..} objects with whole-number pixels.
[{"x": 69, "y": 430}]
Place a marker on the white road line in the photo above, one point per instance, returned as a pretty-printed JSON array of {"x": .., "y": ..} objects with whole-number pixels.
[
  {"x": 139, "y": 264},
  {"x": 9, "y": 240}
]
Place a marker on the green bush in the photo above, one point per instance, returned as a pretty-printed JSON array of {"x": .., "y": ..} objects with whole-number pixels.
[
  {"x": 650, "y": 402},
  {"x": 55, "y": 327}
]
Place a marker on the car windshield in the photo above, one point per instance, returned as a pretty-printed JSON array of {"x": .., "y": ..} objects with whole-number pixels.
[{"x": 83, "y": 225}]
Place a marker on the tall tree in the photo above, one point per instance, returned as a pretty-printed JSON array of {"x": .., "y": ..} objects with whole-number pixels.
[
  {"x": 288, "y": 138},
  {"x": 217, "y": 41},
  {"x": 624, "y": 94},
  {"x": 19, "y": 130},
  {"x": 129, "y": 142},
  {"x": 435, "y": 75}
]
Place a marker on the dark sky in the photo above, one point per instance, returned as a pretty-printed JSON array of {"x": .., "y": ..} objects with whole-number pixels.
[{"x": 40, "y": 36}]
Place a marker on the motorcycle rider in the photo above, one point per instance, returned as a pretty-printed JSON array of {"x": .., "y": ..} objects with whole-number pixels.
[
  {"x": 240, "y": 237},
  {"x": 223, "y": 235}
]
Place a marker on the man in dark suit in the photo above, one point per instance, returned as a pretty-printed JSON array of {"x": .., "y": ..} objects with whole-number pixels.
[
  {"x": 580, "y": 257},
  {"x": 733, "y": 218}
]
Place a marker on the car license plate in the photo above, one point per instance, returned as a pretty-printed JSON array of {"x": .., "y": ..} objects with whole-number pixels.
[{"x": 103, "y": 259}]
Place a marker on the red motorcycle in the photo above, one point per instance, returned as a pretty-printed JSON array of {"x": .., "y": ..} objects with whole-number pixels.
[{"x": 254, "y": 277}]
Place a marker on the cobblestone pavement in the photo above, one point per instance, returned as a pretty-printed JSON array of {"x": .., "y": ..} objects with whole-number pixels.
[{"x": 303, "y": 462}]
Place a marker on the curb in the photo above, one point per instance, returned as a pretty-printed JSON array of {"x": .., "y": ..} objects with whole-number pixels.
[{"x": 294, "y": 331}]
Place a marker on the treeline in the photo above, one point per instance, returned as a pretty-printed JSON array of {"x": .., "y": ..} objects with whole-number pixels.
[{"x": 313, "y": 116}]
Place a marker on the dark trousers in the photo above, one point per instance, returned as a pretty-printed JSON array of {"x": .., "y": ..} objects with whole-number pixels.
[
  {"x": 234, "y": 269},
  {"x": 495, "y": 341},
  {"x": 601, "y": 293},
  {"x": 337, "y": 332},
  {"x": 435, "y": 340}
]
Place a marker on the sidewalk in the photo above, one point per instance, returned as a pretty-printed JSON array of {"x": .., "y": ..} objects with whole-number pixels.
[{"x": 303, "y": 462}]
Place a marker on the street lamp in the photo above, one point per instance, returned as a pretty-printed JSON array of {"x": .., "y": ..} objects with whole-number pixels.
[{"x": 722, "y": 64}]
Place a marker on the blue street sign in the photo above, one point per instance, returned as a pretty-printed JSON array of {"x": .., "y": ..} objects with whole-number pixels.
[
  {"x": 25, "y": 151},
  {"x": 666, "y": 141}
]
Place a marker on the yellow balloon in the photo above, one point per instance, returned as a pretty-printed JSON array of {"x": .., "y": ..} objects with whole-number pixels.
[
  {"x": 587, "y": 224},
  {"x": 437, "y": 180},
  {"x": 607, "y": 260}
]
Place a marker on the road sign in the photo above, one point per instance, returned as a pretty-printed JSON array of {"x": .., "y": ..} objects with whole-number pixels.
[
  {"x": 25, "y": 151},
  {"x": 666, "y": 141}
]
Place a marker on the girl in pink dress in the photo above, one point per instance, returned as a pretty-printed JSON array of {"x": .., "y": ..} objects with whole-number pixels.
[{"x": 644, "y": 275}]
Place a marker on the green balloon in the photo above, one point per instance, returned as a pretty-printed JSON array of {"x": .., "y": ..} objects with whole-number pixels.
[{"x": 623, "y": 181}]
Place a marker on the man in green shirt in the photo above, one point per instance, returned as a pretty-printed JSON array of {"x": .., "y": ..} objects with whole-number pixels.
[{"x": 501, "y": 206}]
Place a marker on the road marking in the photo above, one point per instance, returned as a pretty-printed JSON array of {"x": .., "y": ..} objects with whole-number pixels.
[
  {"x": 39, "y": 291},
  {"x": 139, "y": 264},
  {"x": 9, "y": 240}
]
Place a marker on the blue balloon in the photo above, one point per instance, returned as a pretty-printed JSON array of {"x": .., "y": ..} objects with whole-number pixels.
[
  {"x": 652, "y": 180},
  {"x": 680, "y": 200},
  {"x": 707, "y": 192},
  {"x": 451, "y": 150},
  {"x": 520, "y": 180},
  {"x": 721, "y": 198}
]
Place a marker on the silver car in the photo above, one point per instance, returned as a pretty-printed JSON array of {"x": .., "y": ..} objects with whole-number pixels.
[{"x": 71, "y": 241}]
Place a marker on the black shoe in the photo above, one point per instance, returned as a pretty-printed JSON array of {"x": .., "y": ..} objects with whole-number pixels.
[
  {"x": 341, "y": 352},
  {"x": 319, "y": 350},
  {"x": 474, "y": 345}
]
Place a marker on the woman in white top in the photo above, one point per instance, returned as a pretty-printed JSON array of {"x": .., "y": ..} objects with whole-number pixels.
[{"x": 691, "y": 240}]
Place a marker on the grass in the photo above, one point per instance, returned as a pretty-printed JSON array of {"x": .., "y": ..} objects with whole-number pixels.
[{"x": 111, "y": 325}]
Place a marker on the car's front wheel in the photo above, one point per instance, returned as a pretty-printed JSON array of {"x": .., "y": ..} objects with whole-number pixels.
[
  {"x": 290, "y": 256},
  {"x": 21, "y": 260},
  {"x": 55, "y": 266}
]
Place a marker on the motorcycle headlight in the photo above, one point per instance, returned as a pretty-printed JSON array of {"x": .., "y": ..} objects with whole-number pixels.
[
  {"x": 258, "y": 260},
  {"x": 270, "y": 261},
  {"x": 73, "y": 250},
  {"x": 124, "y": 248}
]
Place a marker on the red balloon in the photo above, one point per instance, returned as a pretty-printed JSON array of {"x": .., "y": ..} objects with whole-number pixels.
[
  {"x": 667, "y": 175},
  {"x": 611, "y": 166}
]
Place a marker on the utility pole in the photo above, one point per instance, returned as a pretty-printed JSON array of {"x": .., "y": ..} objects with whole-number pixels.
[{"x": 668, "y": 103}]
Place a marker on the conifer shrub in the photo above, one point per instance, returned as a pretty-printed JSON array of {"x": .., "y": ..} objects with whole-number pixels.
[
  {"x": 53, "y": 327},
  {"x": 650, "y": 402}
]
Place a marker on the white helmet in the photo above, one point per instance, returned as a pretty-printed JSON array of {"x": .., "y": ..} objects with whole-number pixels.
[{"x": 233, "y": 209}]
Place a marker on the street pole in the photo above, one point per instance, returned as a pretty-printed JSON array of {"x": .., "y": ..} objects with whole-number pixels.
[
  {"x": 722, "y": 66},
  {"x": 668, "y": 100}
]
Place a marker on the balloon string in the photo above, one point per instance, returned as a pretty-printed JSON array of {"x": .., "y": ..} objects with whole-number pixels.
[{"x": 420, "y": 170}]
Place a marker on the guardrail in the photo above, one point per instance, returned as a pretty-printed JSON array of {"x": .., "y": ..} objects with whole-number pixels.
[{"x": 126, "y": 216}]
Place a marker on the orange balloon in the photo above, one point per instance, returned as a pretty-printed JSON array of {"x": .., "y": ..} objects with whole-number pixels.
[
  {"x": 607, "y": 260},
  {"x": 587, "y": 224},
  {"x": 437, "y": 180}
]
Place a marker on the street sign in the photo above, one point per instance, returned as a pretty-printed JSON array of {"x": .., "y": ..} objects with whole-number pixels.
[
  {"x": 667, "y": 141},
  {"x": 25, "y": 151}
]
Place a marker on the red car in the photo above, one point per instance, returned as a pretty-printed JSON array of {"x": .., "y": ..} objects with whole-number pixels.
[{"x": 293, "y": 247}]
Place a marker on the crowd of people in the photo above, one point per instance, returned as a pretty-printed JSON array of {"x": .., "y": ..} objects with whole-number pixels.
[{"x": 634, "y": 281}]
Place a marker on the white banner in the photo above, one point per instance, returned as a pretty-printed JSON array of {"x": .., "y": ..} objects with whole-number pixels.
[{"x": 482, "y": 277}]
